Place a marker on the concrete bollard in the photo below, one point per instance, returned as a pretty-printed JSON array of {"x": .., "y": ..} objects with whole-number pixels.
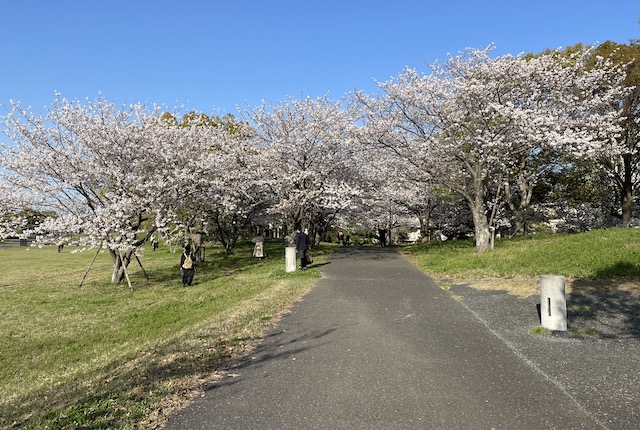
[
  {"x": 290, "y": 258},
  {"x": 553, "y": 303}
]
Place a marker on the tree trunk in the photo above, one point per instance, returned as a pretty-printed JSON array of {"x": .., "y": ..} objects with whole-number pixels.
[
  {"x": 196, "y": 239},
  {"x": 119, "y": 265},
  {"x": 627, "y": 192},
  {"x": 627, "y": 206},
  {"x": 480, "y": 225},
  {"x": 424, "y": 227},
  {"x": 519, "y": 222},
  {"x": 478, "y": 208},
  {"x": 382, "y": 236},
  {"x": 519, "y": 208}
]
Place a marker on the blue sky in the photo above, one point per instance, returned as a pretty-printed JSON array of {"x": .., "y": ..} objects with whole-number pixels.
[{"x": 214, "y": 56}]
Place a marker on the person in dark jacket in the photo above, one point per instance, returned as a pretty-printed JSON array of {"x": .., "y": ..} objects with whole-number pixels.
[
  {"x": 302, "y": 245},
  {"x": 187, "y": 265}
]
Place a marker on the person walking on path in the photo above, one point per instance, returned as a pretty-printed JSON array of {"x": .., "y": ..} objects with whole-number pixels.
[
  {"x": 187, "y": 266},
  {"x": 302, "y": 246}
]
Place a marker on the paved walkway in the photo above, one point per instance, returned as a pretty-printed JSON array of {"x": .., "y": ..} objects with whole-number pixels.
[{"x": 377, "y": 345}]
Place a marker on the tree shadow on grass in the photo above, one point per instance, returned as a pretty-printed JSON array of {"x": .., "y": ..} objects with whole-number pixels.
[
  {"x": 141, "y": 390},
  {"x": 604, "y": 305},
  {"x": 216, "y": 265}
]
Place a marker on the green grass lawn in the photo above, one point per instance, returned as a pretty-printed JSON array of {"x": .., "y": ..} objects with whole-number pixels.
[
  {"x": 515, "y": 265},
  {"x": 594, "y": 255},
  {"x": 104, "y": 356}
]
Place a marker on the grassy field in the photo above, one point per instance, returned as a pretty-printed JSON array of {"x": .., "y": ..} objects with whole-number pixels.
[
  {"x": 105, "y": 356},
  {"x": 516, "y": 264}
]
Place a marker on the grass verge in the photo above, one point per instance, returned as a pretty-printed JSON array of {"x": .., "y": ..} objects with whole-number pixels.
[
  {"x": 516, "y": 264},
  {"x": 103, "y": 356}
]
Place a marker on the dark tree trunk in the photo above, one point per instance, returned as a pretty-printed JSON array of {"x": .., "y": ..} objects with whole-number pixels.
[
  {"x": 196, "y": 239},
  {"x": 627, "y": 192}
]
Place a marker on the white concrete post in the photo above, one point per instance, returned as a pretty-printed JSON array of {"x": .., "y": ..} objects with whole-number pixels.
[
  {"x": 553, "y": 303},
  {"x": 290, "y": 258}
]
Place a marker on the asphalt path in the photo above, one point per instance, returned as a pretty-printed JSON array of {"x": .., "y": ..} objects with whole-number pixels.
[{"x": 378, "y": 345}]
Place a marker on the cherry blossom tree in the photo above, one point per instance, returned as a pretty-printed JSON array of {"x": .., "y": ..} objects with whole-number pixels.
[
  {"x": 471, "y": 122},
  {"x": 229, "y": 191},
  {"x": 482, "y": 128},
  {"x": 394, "y": 192},
  {"x": 306, "y": 151},
  {"x": 622, "y": 165},
  {"x": 417, "y": 197},
  {"x": 562, "y": 110},
  {"x": 424, "y": 120},
  {"x": 110, "y": 174},
  {"x": 238, "y": 193}
]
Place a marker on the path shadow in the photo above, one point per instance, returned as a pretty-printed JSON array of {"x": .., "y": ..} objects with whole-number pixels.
[
  {"x": 605, "y": 306},
  {"x": 271, "y": 348}
]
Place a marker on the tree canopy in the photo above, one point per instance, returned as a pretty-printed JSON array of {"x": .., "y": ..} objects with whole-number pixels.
[{"x": 501, "y": 135}]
